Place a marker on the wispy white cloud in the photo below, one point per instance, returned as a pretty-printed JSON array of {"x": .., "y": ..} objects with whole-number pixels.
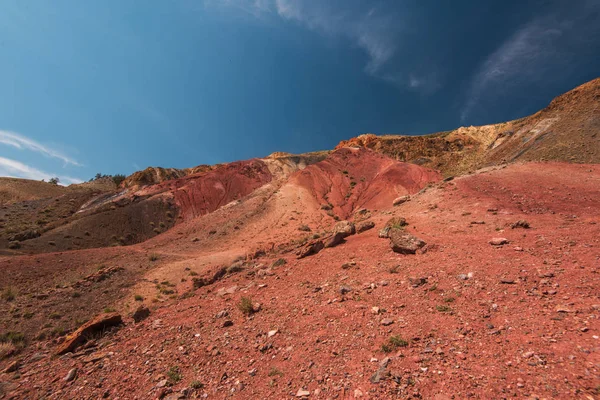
[
  {"x": 545, "y": 47},
  {"x": 24, "y": 143},
  {"x": 375, "y": 30},
  {"x": 16, "y": 169}
]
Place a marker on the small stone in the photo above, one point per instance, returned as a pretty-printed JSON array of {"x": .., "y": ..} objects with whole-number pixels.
[
  {"x": 227, "y": 323},
  {"x": 462, "y": 277},
  {"x": 345, "y": 289},
  {"x": 272, "y": 333},
  {"x": 416, "y": 282},
  {"x": 499, "y": 241},
  {"x": 70, "y": 375},
  {"x": 387, "y": 321},
  {"x": 302, "y": 393},
  {"x": 375, "y": 310},
  {"x": 12, "y": 367},
  {"x": 528, "y": 354},
  {"x": 400, "y": 200}
]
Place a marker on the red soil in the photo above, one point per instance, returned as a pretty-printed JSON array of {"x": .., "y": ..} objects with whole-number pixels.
[
  {"x": 204, "y": 192},
  {"x": 354, "y": 178},
  {"x": 467, "y": 336}
]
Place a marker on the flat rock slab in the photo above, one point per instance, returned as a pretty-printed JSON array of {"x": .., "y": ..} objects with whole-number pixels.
[
  {"x": 79, "y": 337},
  {"x": 404, "y": 243}
]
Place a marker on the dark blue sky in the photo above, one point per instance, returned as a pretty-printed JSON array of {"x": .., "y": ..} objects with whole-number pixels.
[{"x": 119, "y": 85}]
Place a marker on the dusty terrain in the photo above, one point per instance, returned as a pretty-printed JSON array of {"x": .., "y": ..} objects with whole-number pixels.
[{"x": 255, "y": 286}]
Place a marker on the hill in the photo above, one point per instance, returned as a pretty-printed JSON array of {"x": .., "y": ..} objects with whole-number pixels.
[{"x": 457, "y": 265}]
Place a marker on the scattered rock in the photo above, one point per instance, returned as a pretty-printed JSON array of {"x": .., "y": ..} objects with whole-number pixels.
[
  {"x": 311, "y": 249},
  {"x": 405, "y": 243},
  {"x": 381, "y": 372},
  {"x": 400, "y": 200},
  {"x": 12, "y": 367},
  {"x": 345, "y": 289},
  {"x": 387, "y": 321},
  {"x": 416, "y": 282},
  {"x": 520, "y": 224},
  {"x": 98, "y": 324},
  {"x": 141, "y": 313},
  {"x": 72, "y": 374},
  {"x": 507, "y": 281},
  {"x": 302, "y": 393},
  {"x": 227, "y": 323},
  {"x": 365, "y": 226},
  {"x": 499, "y": 241},
  {"x": 334, "y": 240},
  {"x": 346, "y": 228},
  {"x": 272, "y": 333}
]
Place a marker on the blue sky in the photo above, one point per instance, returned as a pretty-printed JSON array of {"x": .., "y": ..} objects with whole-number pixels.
[{"x": 119, "y": 85}]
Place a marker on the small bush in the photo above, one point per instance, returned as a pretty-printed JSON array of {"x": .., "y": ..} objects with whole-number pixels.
[
  {"x": 245, "y": 306},
  {"x": 161, "y": 224},
  {"x": 279, "y": 262},
  {"x": 443, "y": 308},
  {"x": 449, "y": 299},
  {"x": 275, "y": 372},
  {"x": 304, "y": 228},
  {"x": 109, "y": 310},
  {"x": 153, "y": 257},
  {"x": 196, "y": 385},
  {"x": 6, "y": 350},
  {"x": 12, "y": 337},
  {"x": 75, "y": 295},
  {"x": 8, "y": 294},
  {"x": 393, "y": 343},
  {"x": 138, "y": 297},
  {"x": 174, "y": 374},
  {"x": 55, "y": 315},
  {"x": 51, "y": 243},
  {"x": 15, "y": 244}
]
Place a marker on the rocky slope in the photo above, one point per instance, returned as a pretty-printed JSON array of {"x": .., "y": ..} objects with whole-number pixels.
[
  {"x": 566, "y": 130},
  {"x": 342, "y": 274}
]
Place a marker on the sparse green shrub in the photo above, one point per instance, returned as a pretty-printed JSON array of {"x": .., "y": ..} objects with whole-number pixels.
[
  {"x": 443, "y": 308},
  {"x": 15, "y": 244},
  {"x": 245, "y": 306},
  {"x": 153, "y": 257},
  {"x": 138, "y": 297},
  {"x": 174, "y": 374},
  {"x": 275, "y": 372},
  {"x": 75, "y": 295},
  {"x": 109, "y": 310},
  {"x": 161, "y": 224},
  {"x": 54, "y": 315},
  {"x": 393, "y": 343},
  {"x": 304, "y": 228},
  {"x": 279, "y": 262},
  {"x": 449, "y": 299},
  {"x": 196, "y": 385},
  {"x": 394, "y": 269}
]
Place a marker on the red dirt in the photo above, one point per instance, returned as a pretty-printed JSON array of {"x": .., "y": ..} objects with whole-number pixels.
[
  {"x": 466, "y": 336},
  {"x": 354, "y": 178}
]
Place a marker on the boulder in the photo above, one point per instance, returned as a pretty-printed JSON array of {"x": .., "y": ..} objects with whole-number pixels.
[
  {"x": 334, "y": 240},
  {"x": 311, "y": 248},
  {"x": 365, "y": 226},
  {"x": 405, "y": 243},
  {"x": 499, "y": 241},
  {"x": 347, "y": 228},
  {"x": 400, "y": 200},
  {"x": 98, "y": 324}
]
